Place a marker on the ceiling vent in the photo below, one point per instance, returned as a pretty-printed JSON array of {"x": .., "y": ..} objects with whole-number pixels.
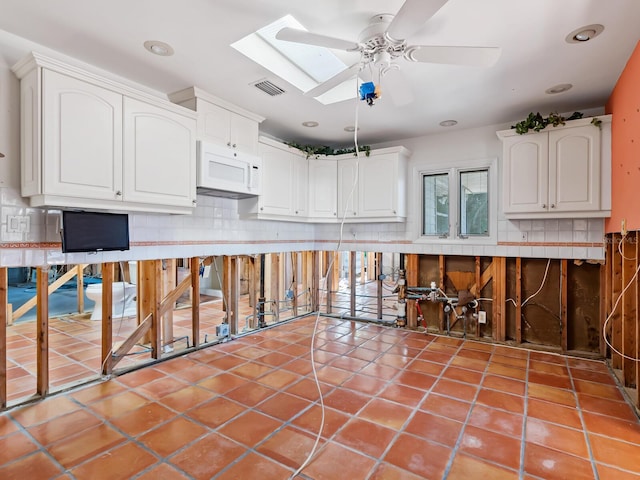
[{"x": 268, "y": 87}]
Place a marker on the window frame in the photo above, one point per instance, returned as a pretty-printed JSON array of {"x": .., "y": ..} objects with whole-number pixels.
[{"x": 453, "y": 172}]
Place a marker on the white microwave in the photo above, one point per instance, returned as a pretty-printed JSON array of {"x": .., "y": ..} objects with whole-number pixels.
[{"x": 225, "y": 172}]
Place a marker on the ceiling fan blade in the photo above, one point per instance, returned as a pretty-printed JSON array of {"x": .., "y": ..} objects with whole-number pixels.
[
  {"x": 396, "y": 85},
  {"x": 411, "y": 16},
  {"x": 334, "y": 81},
  {"x": 471, "y": 56},
  {"x": 302, "y": 36}
]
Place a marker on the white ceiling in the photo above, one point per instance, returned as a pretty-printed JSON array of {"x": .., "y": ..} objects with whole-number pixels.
[{"x": 531, "y": 34}]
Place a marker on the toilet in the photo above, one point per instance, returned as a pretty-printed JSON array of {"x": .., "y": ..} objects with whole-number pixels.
[{"x": 123, "y": 300}]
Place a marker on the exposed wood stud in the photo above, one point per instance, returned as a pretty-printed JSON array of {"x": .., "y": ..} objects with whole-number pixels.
[
  {"x": 234, "y": 289},
  {"x": 149, "y": 296},
  {"x": 629, "y": 314},
  {"x": 42, "y": 331},
  {"x": 477, "y": 289},
  {"x": 294, "y": 282},
  {"x": 107, "y": 323},
  {"x": 616, "y": 290},
  {"x": 4, "y": 289},
  {"x": 411, "y": 267},
  {"x": 636, "y": 238},
  {"x": 315, "y": 280},
  {"x": 564, "y": 295},
  {"x": 379, "y": 291},
  {"x": 168, "y": 284},
  {"x": 141, "y": 330},
  {"x": 605, "y": 297},
  {"x": 518, "y": 318},
  {"x": 441, "y": 267},
  {"x": 352, "y": 283},
  {"x": 195, "y": 300},
  {"x": 275, "y": 287},
  {"x": 80, "y": 287}
]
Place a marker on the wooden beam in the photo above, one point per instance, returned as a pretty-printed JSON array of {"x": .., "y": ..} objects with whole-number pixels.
[
  {"x": 380, "y": 289},
  {"x": 80, "y": 287},
  {"x": 352, "y": 283},
  {"x": 148, "y": 296},
  {"x": 476, "y": 289},
  {"x": 564, "y": 296},
  {"x": 329, "y": 278},
  {"x": 636, "y": 237},
  {"x": 42, "y": 331},
  {"x": 499, "y": 286},
  {"x": 167, "y": 285},
  {"x": 518, "y": 318},
  {"x": 226, "y": 283},
  {"x": 629, "y": 312},
  {"x": 275, "y": 284},
  {"x": 141, "y": 330},
  {"x": 4, "y": 304},
  {"x": 604, "y": 297},
  {"x": 169, "y": 301},
  {"x": 294, "y": 283},
  {"x": 234, "y": 287},
  {"x": 441, "y": 275},
  {"x": 616, "y": 290},
  {"x": 194, "y": 267},
  {"x": 315, "y": 280},
  {"x": 411, "y": 269},
  {"x": 107, "y": 323}
]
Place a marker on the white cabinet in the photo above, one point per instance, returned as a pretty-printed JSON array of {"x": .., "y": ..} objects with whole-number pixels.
[
  {"x": 381, "y": 189},
  {"x": 220, "y": 122},
  {"x": 284, "y": 181},
  {"x": 88, "y": 142},
  {"x": 323, "y": 185},
  {"x": 558, "y": 172}
]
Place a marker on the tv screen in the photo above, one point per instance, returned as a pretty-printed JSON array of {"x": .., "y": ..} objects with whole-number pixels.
[{"x": 94, "y": 231}]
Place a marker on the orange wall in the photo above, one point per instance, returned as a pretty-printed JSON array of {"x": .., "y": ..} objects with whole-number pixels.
[{"x": 624, "y": 104}]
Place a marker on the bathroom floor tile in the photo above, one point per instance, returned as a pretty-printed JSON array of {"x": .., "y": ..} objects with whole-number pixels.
[
  {"x": 385, "y": 413},
  {"x": 491, "y": 446},
  {"x": 465, "y": 467},
  {"x": 311, "y": 419},
  {"x": 255, "y": 466},
  {"x": 366, "y": 437},
  {"x": 550, "y": 464},
  {"x": 250, "y": 428},
  {"x": 38, "y": 465},
  {"x": 499, "y": 421},
  {"x": 421, "y": 457},
  {"x": 351, "y": 465},
  {"x": 435, "y": 428},
  {"x": 121, "y": 463},
  {"x": 207, "y": 457},
  {"x": 172, "y": 436},
  {"x": 289, "y": 446}
]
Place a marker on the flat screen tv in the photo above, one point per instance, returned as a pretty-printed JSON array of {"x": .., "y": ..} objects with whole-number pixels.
[{"x": 94, "y": 231}]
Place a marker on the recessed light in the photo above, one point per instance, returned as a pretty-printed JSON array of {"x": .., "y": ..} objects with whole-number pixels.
[
  {"x": 584, "y": 34},
  {"x": 563, "y": 87},
  {"x": 159, "y": 48},
  {"x": 310, "y": 124},
  {"x": 448, "y": 123},
  {"x": 350, "y": 128}
]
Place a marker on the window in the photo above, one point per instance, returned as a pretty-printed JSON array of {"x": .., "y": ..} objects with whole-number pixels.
[{"x": 456, "y": 202}]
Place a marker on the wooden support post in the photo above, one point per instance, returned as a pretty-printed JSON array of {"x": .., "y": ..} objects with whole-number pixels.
[
  {"x": 629, "y": 313},
  {"x": 329, "y": 279},
  {"x": 234, "y": 288},
  {"x": 499, "y": 288},
  {"x": 282, "y": 283},
  {"x": 478, "y": 289},
  {"x": 380, "y": 289},
  {"x": 107, "y": 324},
  {"x": 42, "y": 331},
  {"x": 352, "y": 284},
  {"x": 616, "y": 290},
  {"x": 252, "y": 281},
  {"x": 4, "y": 297},
  {"x": 226, "y": 283},
  {"x": 636, "y": 238},
  {"x": 80, "y": 287},
  {"x": 441, "y": 270},
  {"x": 195, "y": 302},
  {"x": 605, "y": 298},
  {"x": 564, "y": 297},
  {"x": 149, "y": 296},
  {"x": 411, "y": 268},
  {"x": 169, "y": 274},
  {"x": 315, "y": 281},
  {"x": 518, "y": 318},
  {"x": 337, "y": 270},
  {"x": 294, "y": 283},
  {"x": 275, "y": 285},
  {"x": 363, "y": 267}
]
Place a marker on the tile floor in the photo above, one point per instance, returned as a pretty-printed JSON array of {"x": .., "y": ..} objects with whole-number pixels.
[{"x": 399, "y": 405}]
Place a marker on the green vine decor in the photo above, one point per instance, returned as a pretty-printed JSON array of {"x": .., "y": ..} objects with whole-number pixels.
[
  {"x": 315, "y": 150},
  {"x": 537, "y": 122}
]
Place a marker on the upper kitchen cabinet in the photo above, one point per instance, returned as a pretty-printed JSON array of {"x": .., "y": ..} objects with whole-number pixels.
[
  {"x": 559, "y": 172},
  {"x": 221, "y": 122},
  {"x": 89, "y": 142}
]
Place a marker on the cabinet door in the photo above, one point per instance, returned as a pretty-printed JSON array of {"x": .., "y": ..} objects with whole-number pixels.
[
  {"x": 243, "y": 134},
  {"x": 277, "y": 184},
  {"x": 300, "y": 185},
  {"x": 348, "y": 188},
  {"x": 323, "y": 183},
  {"x": 379, "y": 180},
  {"x": 574, "y": 169},
  {"x": 159, "y": 155},
  {"x": 214, "y": 123},
  {"x": 526, "y": 173},
  {"x": 81, "y": 139}
]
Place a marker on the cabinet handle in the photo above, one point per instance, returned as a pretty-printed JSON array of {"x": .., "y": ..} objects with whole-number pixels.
[
  {"x": 544, "y": 206},
  {"x": 193, "y": 202},
  {"x": 355, "y": 213},
  {"x": 234, "y": 145},
  {"x": 261, "y": 208},
  {"x": 553, "y": 205},
  {"x": 228, "y": 144},
  {"x": 118, "y": 193},
  {"x": 334, "y": 214},
  {"x": 296, "y": 212},
  {"x": 394, "y": 212}
]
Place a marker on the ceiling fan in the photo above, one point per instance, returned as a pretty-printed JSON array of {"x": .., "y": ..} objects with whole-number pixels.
[{"x": 383, "y": 42}]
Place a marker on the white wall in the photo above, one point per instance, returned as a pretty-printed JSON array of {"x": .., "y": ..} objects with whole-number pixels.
[{"x": 215, "y": 229}]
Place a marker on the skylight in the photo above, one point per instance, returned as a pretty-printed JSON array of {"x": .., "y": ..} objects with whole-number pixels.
[{"x": 304, "y": 66}]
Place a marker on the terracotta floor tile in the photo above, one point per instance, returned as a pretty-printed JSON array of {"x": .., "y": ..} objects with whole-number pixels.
[
  {"x": 385, "y": 413},
  {"x": 553, "y": 465},
  {"x": 140, "y": 377},
  {"x": 446, "y": 407},
  {"x": 301, "y": 367},
  {"x": 435, "y": 428},
  {"x": 222, "y": 383},
  {"x": 606, "y": 472},
  {"x": 509, "y": 361},
  {"x": 251, "y": 370},
  {"x": 366, "y": 437},
  {"x": 504, "y": 401},
  {"x": 478, "y": 355},
  {"x": 346, "y": 400},
  {"x": 599, "y": 390},
  {"x": 186, "y": 398},
  {"x": 425, "y": 459},
  {"x": 161, "y": 387},
  {"x": 553, "y": 412},
  {"x": 491, "y": 446},
  {"x": 250, "y": 394},
  {"x": 469, "y": 363},
  {"x": 142, "y": 419},
  {"x": 605, "y": 406},
  {"x": 283, "y": 406},
  {"x": 63, "y": 426},
  {"x": 551, "y": 394},
  {"x": 617, "y": 454},
  {"x": 554, "y": 436},
  {"x": 604, "y": 378},
  {"x": 7, "y": 425},
  {"x": 176, "y": 365},
  {"x": 121, "y": 463},
  {"x": 415, "y": 380},
  {"x": 452, "y": 388},
  {"x": 349, "y": 363},
  {"x": 435, "y": 356},
  {"x": 77, "y": 448},
  {"x": 33, "y": 466},
  {"x": 364, "y": 384},
  {"x": 472, "y": 377},
  {"x": 498, "y": 421},
  {"x": 465, "y": 467},
  {"x": 275, "y": 359},
  {"x": 507, "y": 371},
  {"x": 307, "y": 389},
  {"x": 289, "y": 446},
  {"x": 15, "y": 446},
  {"x": 310, "y": 421},
  {"x": 228, "y": 362},
  {"x": 255, "y": 466},
  {"x": 250, "y": 428},
  {"x": 118, "y": 405},
  {"x": 547, "y": 358},
  {"x": 503, "y": 384},
  {"x": 383, "y": 372},
  {"x": 172, "y": 436},
  {"x": 557, "y": 381},
  {"x": 208, "y": 456},
  {"x": 332, "y": 375},
  {"x": 216, "y": 412},
  {"x": 619, "y": 429},
  {"x": 402, "y": 394},
  {"x": 386, "y": 471},
  {"x": 163, "y": 472},
  {"x": 351, "y": 465},
  {"x": 278, "y": 379},
  {"x": 98, "y": 392},
  {"x": 196, "y": 373},
  {"x": 44, "y": 410}
]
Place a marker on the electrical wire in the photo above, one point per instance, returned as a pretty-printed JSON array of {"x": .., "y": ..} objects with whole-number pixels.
[
  {"x": 329, "y": 266},
  {"x": 544, "y": 279},
  {"x": 620, "y": 248}
]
